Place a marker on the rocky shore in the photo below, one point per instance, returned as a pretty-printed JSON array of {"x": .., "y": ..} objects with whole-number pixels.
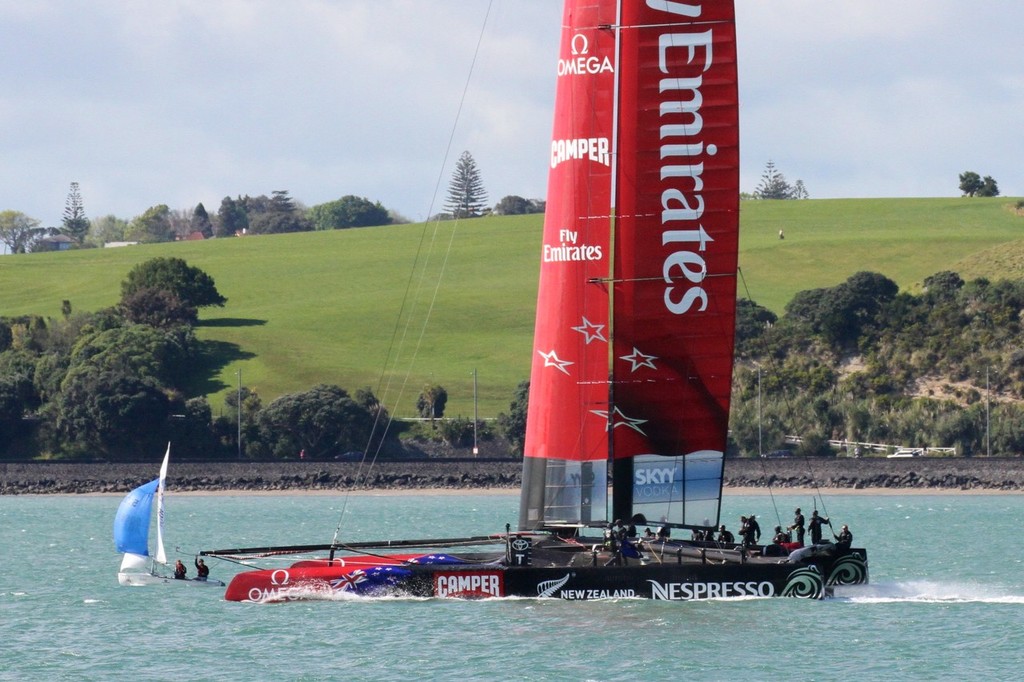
[{"x": 938, "y": 474}]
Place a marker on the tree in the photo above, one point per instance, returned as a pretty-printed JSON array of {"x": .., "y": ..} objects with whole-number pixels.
[
  {"x": 18, "y": 231},
  {"x": 153, "y": 226},
  {"x": 773, "y": 184},
  {"x": 6, "y": 336},
  {"x": 201, "y": 221},
  {"x": 324, "y": 421},
  {"x": 74, "y": 224},
  {"x": 516, "y": 205},
  {"x": 138, "y": 349},
  {"x": 191, "y": 286},
  {"x": 431, "y": 402},
  {"x": 513, "y": 424},
  {"x": 466, "y": 195},
  {"x": 109, "y": 228},
  {"x": 842, "y": 313},
  {"x": 232, "y": 217},
  {"x": 180, "y": 220},
  {"x": 989, "y": 188},
  {"x": 943, "y": 285},
  {"x": 348, "y": 211},
  {"x": 17, "y": 394},
  {"x": 191, "y": 430},
  {"x": 112, "y": 412},
  {"x": 157, "y": 308},
  {"x": 751, "y": 322},
  {"x": 276, "y": 215},
  {"x": 228, "y": 427},
  {"x": 970, "y": 183}
]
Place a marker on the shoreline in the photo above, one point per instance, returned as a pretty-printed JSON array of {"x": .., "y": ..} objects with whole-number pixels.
[{"x": 745, "y": 491}]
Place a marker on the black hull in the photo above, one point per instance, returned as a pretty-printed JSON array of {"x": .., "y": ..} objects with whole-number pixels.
[
  {"x": 550, "y": 568},
  {"x": 667, "y": 581}
]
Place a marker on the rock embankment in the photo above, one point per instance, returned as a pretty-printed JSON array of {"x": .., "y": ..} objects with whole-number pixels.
[
  {"x": 45, "y": 477},
  {"x": 925, "y": 473},
  {"x": 947, "y": 474}
]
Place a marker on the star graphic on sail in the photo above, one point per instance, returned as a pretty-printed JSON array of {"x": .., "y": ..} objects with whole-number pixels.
[
  {"x": 552, "y": 360},
  {"x": 618, "y": 419},
  {"x": 591, "y": 331},
  {"x": 638, "y": 359}
]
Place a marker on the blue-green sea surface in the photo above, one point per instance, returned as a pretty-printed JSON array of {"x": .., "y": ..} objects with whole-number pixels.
[{"x": 946, "y": 601}]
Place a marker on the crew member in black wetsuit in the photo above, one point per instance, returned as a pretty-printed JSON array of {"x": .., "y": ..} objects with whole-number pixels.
[
  {"x": 202, "y": 570},
  {"x": 798, "y": 525},
  {"x": 751, "y": 532},
  {"x": 815, "y": 525},
  {"x": 179, "y": 570},
  {"x": 844, "y": 539},
  {"x": 724, "y": 536}
]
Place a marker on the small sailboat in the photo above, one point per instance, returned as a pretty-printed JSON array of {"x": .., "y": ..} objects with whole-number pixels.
[
  {"x": 131, "y": 535},
  {"x": 633, "y": 350}
]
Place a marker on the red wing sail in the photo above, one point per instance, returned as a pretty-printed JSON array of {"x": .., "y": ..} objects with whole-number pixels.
[
  {"x": 653, "y": 237},
  {"x": 565, "y": 469},
  {"x": 676, "y": 246}
]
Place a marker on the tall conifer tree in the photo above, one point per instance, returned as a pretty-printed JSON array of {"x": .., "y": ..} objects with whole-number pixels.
[
  {"x": 466, "y": 195},
  {"x": 74, "y": 223}
]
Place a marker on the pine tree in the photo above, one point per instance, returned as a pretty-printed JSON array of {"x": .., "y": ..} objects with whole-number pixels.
[
  {"x": 466, "y": 195},
  {"x": 773, "y": 184},
  {"x": 201, "y": 221},
  {"x": 75, "y": 224}
]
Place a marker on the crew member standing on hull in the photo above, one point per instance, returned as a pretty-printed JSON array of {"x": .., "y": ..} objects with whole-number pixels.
[
  {"x": 751, "y": 531},
  {"x": 798, "y": 525},
  {"x": 815, "y": 524}
]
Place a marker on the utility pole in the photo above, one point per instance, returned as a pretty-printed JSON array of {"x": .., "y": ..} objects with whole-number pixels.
[
  {"x": 988, "y": 399},
  {"x": 759, "y": 449},
  {"x": 239, "y": 413},
  {"x": 476, "y": 418}
]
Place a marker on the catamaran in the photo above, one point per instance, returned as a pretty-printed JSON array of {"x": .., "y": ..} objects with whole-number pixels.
[
  {"x": 131, "y": 535},
  {"x": 632, "y": 365}
]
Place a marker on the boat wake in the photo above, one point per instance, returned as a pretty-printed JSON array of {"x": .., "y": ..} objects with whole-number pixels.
[{"x": 925, "y": 591}]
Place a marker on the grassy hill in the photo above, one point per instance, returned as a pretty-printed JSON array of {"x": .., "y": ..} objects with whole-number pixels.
[{"x": 348, "y": 307}]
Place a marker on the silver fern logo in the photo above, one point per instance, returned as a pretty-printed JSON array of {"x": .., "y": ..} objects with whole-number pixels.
[{"x": 549, "y": 587}]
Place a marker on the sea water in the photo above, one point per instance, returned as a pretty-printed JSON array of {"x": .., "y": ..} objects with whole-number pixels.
[{"x": 946, "y": 600}]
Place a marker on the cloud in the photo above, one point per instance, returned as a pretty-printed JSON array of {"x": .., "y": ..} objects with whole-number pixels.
[{"x": 184, "y": 101}]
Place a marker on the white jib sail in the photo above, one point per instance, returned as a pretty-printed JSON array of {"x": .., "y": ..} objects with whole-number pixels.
[{"x": 161, "y": 556}]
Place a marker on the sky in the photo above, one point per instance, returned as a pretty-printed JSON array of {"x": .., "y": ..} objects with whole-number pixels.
[{"x": 177, "y": 102}]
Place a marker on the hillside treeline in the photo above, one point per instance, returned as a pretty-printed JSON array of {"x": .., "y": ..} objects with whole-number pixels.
[
  {"x": 865, "y": 363},
  {"x": 109, "y": 385},
  {"x": 860, "y": 361}
]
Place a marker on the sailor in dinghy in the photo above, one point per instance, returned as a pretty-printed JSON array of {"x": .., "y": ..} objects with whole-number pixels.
[{"x": 131, "y": 536}]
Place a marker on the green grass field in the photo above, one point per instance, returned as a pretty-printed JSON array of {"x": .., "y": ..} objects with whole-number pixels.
[{"x": 333, "y": 307}]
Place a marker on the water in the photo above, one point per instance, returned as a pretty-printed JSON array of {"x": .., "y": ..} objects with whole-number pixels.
[{"x": 946, "y": 601}]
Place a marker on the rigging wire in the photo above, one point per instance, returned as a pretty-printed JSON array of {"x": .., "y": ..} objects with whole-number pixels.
[
  {"x": 790, "y": 410},
  {"x": 402, "y": 332}
]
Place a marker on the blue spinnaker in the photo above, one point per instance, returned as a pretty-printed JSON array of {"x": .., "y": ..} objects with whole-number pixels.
[{"x": 131, "y": 523}]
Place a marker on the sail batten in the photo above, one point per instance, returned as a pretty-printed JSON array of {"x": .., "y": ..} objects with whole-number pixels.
[{"x": 636, "y": 305}]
